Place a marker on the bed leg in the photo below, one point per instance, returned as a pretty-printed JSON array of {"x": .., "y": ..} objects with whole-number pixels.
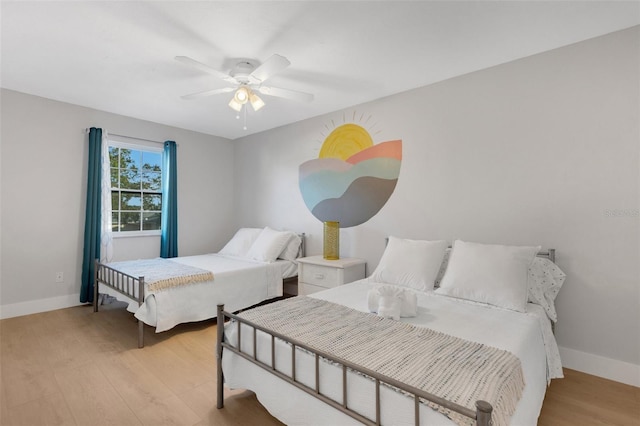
[
  {"x": 140, "y": 323},
  {"x": 483, "y": 413},
  {"x": 140, "y": 334},
  {"x": 219, "y": 340}
]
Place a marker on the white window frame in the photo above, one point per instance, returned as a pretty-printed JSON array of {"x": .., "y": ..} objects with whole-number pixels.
[{"x": 137, "y": 147}]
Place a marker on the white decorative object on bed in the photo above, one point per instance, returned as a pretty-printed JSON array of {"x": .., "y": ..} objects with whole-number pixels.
[
  {"x": 336, "y": 394},
  {"x": 407, "y": 299},
  {"x": 166, "y": 292}
]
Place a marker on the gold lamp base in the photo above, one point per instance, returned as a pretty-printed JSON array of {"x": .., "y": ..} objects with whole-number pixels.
[{"x": 331, "y": 246}]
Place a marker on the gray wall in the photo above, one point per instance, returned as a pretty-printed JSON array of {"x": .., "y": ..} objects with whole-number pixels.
[
  {"x": 537, "y": 151},
  {"x": 43, "y": 170}
]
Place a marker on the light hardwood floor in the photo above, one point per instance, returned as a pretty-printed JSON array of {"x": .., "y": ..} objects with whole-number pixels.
[{"x": 74, "y": 367}]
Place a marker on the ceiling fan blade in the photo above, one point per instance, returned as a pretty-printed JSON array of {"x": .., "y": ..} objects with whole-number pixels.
[
  {"x": 286, "y": 93},
  {"x": 271, "y": 66},
  {"x": 208, "y": 93},
  {"x": 205, "y": 68}
]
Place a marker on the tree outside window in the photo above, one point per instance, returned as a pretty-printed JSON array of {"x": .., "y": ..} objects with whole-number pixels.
[{"x": 136, "y": 189}]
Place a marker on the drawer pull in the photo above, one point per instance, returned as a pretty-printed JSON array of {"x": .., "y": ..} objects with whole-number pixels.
[{"x": 318, "y": 276}]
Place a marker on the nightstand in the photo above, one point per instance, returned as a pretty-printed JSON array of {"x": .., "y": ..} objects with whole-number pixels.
[{"x": 316, "y": 273}]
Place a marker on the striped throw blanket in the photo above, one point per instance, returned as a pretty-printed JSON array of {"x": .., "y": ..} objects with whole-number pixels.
[
  {"x": 446, "y": 366},
  {"x": 160, "y": 274}
]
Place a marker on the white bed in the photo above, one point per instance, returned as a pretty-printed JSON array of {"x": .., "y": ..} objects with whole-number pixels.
[
  {"x": 241, "y": 275},
  {"x": 238, "y": 283},
  {"x": 528, "y": 335}
]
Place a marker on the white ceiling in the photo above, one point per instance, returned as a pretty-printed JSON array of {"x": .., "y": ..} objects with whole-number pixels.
[{"x": 119, "y": 56}]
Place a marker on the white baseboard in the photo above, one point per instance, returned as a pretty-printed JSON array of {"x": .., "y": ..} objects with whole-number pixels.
[
  {"x": 40, "y": 305},
  {"x": 612, "y": 369}
]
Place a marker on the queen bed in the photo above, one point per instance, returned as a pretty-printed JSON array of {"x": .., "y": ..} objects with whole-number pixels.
[
  {"x": 163, "y": 293},
  {"x": 474, "y": 350}
]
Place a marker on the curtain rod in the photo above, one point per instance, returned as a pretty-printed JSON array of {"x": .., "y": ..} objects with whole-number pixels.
[{"x": 129, "y": 137}]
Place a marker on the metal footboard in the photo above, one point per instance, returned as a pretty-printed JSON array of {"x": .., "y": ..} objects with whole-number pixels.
[
  {"x": 482, "y": 415},
  {"x": 124, "y": 284}
]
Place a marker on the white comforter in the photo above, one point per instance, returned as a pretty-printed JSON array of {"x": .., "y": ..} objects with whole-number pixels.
[
  {"x": 238, "y": 283},
  {"x": 522, "y": 334}
]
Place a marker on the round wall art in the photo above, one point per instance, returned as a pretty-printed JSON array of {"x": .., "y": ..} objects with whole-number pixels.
[{"x": 352, "y": 178}]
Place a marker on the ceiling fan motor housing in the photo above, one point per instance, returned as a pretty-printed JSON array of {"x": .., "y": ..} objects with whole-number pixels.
[{"x": 242, "y": 71}]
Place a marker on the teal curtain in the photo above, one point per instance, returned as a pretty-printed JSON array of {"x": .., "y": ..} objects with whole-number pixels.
[
  {"x": 169, "y": 238},
  {"x": 92, "y": 220}
]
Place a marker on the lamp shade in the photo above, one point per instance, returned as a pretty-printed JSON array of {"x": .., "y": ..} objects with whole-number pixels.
[
  {"x": 242, "y": 95},
  {"x": 256, "y": 102},
  {"x": 235, "y": 105}
]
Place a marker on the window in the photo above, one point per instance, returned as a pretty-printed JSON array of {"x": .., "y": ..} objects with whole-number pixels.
[{"x": 136, "y": 188}]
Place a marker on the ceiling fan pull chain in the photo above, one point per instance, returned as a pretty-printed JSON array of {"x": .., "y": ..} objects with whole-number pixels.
[{"x": 245, "y": 117}]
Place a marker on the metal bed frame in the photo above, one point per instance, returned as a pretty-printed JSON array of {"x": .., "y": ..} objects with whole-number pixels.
[
  {"x": 481, "y": 416},
  {"x": 122, "y": 283},
  {"x": 128, "y": 285}
]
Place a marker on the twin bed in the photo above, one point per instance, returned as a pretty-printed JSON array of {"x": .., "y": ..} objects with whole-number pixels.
[
  {"x": 477, "y": 349},
  {"x": 163, "y": 293}
]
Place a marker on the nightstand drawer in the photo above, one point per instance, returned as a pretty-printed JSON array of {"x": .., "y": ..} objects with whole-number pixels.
[
  {"x": 304, "y": 289},
  {"x": 319, "y": 275}
]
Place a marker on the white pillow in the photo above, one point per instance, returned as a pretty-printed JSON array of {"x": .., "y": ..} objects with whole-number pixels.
[
  {"x": 292, "y": 250},
  {"x": 241, "y": 242},
  {"x": 410, "y": 263},
  {"x": 493, "y": 274},
  {"x": 544, "y": 283},
  {"x": 269, "y": 244}
]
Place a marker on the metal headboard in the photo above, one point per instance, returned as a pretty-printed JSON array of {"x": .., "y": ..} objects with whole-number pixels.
[
  {"x": 548, "y": 254},
  {"x": 303, "y": 244}
]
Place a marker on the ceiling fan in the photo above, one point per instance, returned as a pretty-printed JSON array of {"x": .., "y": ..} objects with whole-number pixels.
[{"x": 246, "y": 79}]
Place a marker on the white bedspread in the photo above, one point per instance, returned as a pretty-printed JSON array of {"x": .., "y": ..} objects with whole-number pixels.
[
  {"x": 521, "y": 334},
  {"x": 238, "y": 283}
]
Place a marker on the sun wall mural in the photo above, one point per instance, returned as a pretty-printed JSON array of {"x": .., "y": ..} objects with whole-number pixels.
[{"x": 352, "y": 178}]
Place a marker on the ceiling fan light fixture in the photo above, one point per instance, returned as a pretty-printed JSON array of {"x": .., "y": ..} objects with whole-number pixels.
[
  {"x": 233, "y": 104},
  {"x": 256, "y": 101},
  {"x": 242, "y": 95},
  {"x": 244, "y": 79}
]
